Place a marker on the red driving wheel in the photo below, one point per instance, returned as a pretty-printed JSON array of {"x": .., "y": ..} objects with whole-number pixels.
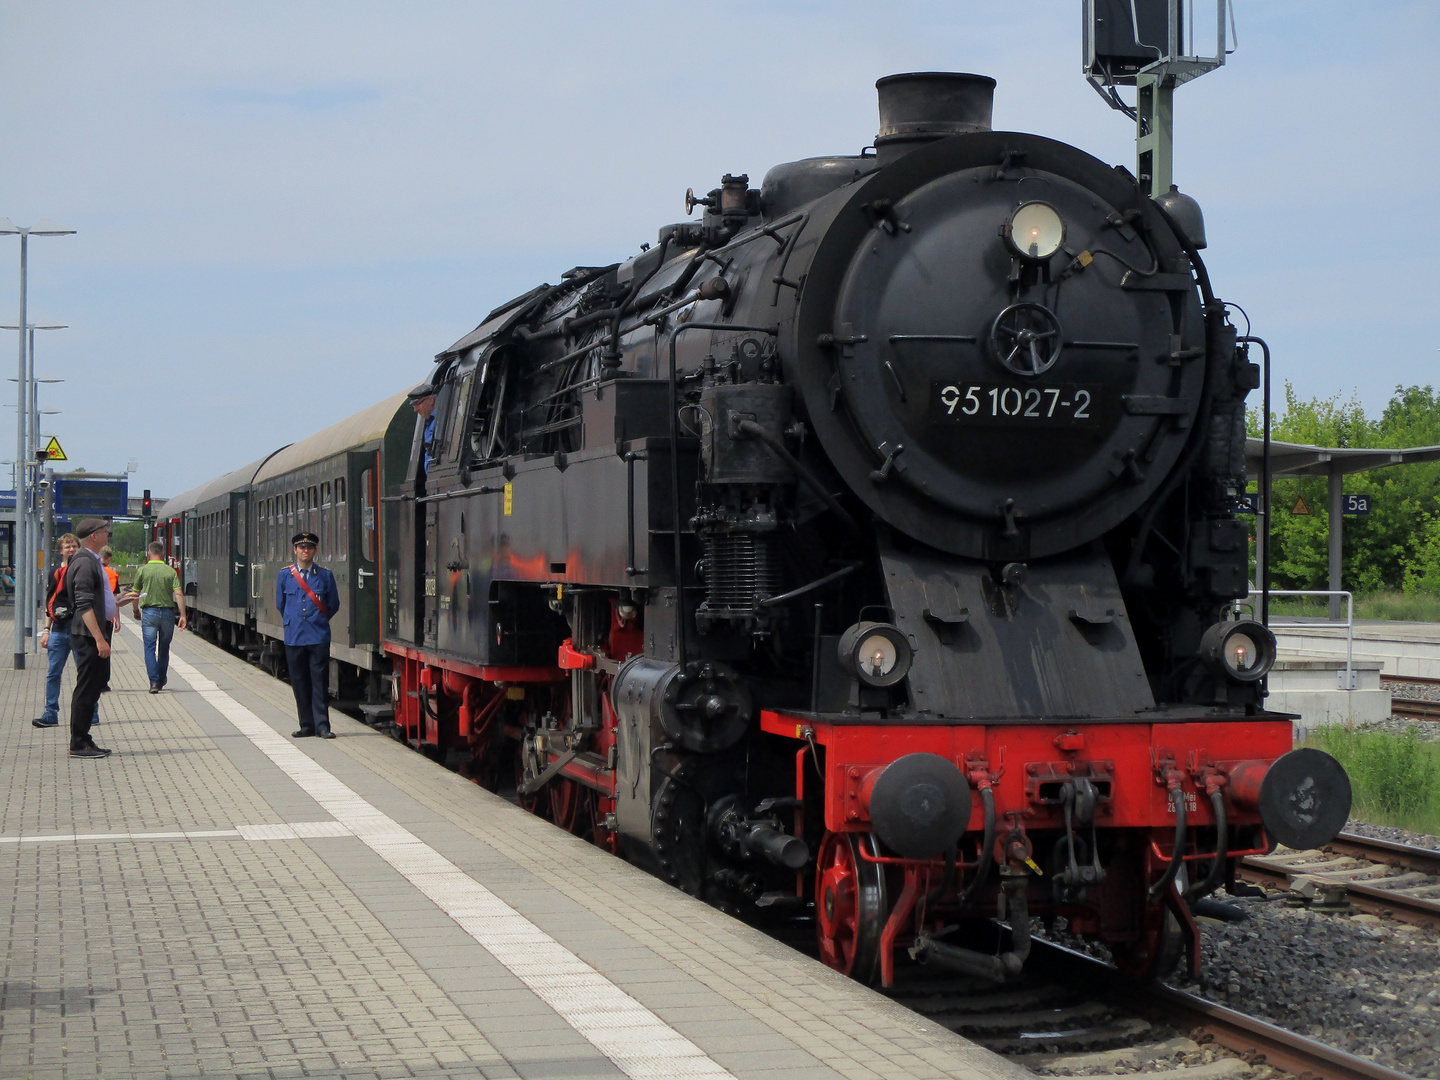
[
  {"x": 564, "y": 802},
  {"x": 850, "y": 904}
]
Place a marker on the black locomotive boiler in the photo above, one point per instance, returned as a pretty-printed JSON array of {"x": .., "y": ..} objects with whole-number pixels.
[{"x": 864, "y": 546}]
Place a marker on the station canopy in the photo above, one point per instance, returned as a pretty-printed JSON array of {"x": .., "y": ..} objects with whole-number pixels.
[{"x": 1297, "y": 459}]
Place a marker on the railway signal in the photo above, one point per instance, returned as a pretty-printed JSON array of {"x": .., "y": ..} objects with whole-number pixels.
[{"x": 1152, "y": 45}]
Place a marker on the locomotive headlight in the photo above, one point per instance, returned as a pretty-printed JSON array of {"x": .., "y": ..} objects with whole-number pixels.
[
  {"x": 1244, "y": 651},
  {"x": 877, "y": 654},
  {"x": 1035, "y": 231}
]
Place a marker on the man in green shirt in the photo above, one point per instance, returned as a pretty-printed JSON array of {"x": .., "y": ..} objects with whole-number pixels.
[{"x": 158, "y": 589}]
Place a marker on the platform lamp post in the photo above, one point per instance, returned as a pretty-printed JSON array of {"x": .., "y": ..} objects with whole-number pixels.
[
  {"x": 8, "y": 228},
  {"x": 31, "y": 513}
]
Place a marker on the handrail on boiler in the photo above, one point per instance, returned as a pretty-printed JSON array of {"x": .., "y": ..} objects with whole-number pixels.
[{"x": 1347, "y": 678}]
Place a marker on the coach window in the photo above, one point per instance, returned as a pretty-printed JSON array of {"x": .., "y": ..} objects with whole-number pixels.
[
  {"x": 325, "y": 540},
  {"x": 240, "y": 528},
  {"x": 312, "y": 521},
  {"x": 342, "y": 523}
]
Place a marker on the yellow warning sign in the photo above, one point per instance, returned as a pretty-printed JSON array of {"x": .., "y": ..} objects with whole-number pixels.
[
  {"x": 509, "y": 499},
  {"x": 54, "y": 451},
  {"x": 1301, "y": 507}
]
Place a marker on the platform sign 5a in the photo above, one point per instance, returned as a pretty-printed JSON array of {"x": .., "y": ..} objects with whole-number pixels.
[
  {"x": 1356, "y": 504},
  {"x": 77, "y": 498}
]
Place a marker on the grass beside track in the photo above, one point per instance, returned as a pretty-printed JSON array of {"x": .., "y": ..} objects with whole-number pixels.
[
  {"x": 1387, "y": 605},
  {"x": 1395, "y": 778}
]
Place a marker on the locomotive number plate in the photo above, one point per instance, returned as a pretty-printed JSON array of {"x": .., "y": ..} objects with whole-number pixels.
[{"x": 1029, "y": 406}]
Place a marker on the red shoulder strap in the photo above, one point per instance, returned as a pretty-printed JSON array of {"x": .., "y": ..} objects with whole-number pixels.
[
  {"x": 309, "y": 592},
  {"x": 61, "y": 572}
]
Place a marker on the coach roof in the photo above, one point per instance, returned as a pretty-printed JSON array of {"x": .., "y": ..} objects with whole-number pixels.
[
  {"x": 231, "y": 481},
  {"x": 368, "y": 425}
]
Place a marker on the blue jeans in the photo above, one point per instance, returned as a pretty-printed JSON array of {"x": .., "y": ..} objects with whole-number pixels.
[
  {"x": 157, "y": 627},
  {"x": 58, "y": 650}
]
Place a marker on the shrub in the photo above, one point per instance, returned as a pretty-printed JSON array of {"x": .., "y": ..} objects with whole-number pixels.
[{"x": 1395, "y": 778}]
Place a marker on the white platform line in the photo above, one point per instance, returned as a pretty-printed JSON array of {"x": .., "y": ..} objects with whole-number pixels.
[
  {"x": 640, "y": 1044},
  {"x": 295, "y": 830}
]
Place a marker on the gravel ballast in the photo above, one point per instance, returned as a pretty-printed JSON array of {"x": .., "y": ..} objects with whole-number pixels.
[{"x": 1358, "y": 982}]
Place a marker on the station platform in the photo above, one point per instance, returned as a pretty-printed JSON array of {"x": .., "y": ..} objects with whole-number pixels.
[
  {"x": 219, "y": 900},
  {"x": 1401, "y": 648}
]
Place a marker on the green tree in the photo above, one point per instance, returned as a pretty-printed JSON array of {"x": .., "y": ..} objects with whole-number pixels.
[
  {"x": 128, "y": 538},
  {"x": 1398, "y": 544}
]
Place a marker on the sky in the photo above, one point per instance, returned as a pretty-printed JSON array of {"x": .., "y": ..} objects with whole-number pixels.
[{"x": 284, "y": 210}]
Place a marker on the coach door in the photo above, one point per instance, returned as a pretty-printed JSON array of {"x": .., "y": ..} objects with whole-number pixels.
[
  {"x": 364, "y": 525},
  {"x": 239, "y": 549}
]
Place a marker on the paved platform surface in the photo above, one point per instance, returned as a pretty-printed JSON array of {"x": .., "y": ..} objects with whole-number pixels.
[
  {"x": 219, "y": 900},
  {"x": 1404, "y": 648}
]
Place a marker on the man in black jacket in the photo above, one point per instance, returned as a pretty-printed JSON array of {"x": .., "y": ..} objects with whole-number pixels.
[{"x": 94, "y": 606}]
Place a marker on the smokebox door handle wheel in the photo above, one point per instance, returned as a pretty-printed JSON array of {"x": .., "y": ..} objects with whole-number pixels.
[
  {"x": 1026, "y": 338},
  {"x": 851, "y": 906}
]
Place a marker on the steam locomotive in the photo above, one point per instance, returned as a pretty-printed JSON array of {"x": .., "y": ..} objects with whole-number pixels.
[{"x": 866, "y": 547}]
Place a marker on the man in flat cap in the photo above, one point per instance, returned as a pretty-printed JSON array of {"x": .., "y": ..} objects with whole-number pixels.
[
  {"x": 308, "y": 599},
  {"x": 94, "y": 606},
  {"x": 423, "y": 400}
]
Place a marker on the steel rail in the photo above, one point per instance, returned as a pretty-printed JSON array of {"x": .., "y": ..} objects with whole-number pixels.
[
  {"x": 1236, "y": 1031},
  {"x": 1368, "y": 896},
  {"x": 1418, "y": 680},
  {"x": 1415, "y": 708},
  {"x": 1392, "y": 852}
]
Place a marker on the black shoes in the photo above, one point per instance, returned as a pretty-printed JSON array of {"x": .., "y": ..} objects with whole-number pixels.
[
  {"x": 154, "y": 688},
  {"x": 303, "y": 734},
  {"x": 327, "y": 734},
  {"x": 42, "y": 722},
  {"x": 91, "y": 751}
]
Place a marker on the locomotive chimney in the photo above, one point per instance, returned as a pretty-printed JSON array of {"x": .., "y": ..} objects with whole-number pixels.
[{"x": 922, "y": 106}]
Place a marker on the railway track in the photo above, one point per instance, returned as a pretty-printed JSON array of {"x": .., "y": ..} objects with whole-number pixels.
[
  {"x": 1411, "y": 708},
  {"x": 1074, "y": 1015},
  {"x": 1376, "y": 876},
  {"x": 1415, "y": 708}
]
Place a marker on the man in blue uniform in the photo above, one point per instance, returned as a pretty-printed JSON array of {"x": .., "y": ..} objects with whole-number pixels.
[{"x": 308, "y": 599}]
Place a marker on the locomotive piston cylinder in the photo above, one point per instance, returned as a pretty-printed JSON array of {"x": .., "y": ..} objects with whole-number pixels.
[{"x": 704, "y": 707}]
